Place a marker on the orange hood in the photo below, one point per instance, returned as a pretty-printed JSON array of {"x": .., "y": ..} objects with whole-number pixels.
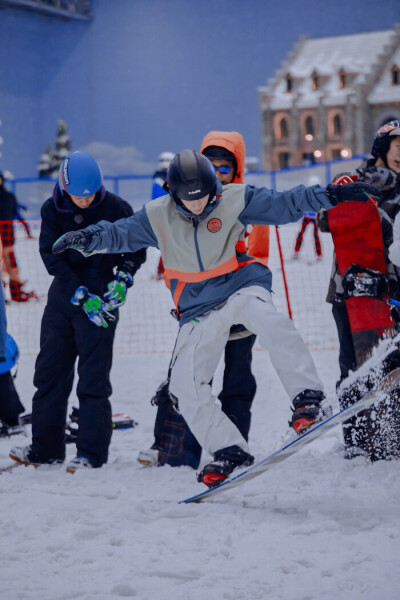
[{"x": 231, "y": 141}]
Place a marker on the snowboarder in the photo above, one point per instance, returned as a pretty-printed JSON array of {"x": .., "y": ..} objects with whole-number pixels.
[
  {"x": 8, "y": 212},
  {"x": 157, "y": 190},
  {"x": 10, "y": 404},
  {"x": 77, "y": 323},
  {"x": 380, "y": 169},
  {"x": 309, "y": 218},
  {"x": 215, "y": 284},
  {"x": 174, "y": 443}
]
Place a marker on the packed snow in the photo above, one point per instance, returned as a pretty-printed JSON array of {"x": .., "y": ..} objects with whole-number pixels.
[{"x": 314, "y": 527}]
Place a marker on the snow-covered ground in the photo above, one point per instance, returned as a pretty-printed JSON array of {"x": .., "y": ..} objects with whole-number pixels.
[{"x": 316, "y": 527}]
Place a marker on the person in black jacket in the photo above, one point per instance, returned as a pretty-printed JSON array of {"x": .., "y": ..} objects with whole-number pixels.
[
  {"x": 10, "y": 404},
  {"x": 79, "y": 321},
  {"x": 377, "y": 435},
  {"x": 8, "y": 212}
]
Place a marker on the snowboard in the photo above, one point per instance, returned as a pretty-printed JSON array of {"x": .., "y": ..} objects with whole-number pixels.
[
  {"x": 357, "y": 238},
  {"x": 119, "y": 420},
  {"x": 385, "y": 386}
]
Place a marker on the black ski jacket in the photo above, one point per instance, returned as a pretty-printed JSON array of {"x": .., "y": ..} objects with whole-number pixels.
[
  {"x": 8, "y": 212},
  {"x": 60, "y": 215}
]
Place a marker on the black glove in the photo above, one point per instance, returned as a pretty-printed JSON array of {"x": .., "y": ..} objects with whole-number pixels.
[
  {"x": 77, "y": 240},
  {"x": 357, "y": 191},
  {"x": 322, "y": 221}
]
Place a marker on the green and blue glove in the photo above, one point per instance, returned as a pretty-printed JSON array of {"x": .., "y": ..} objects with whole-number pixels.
[
  {"x": 93, "y": 306},
  {"x": 117, "y": 290}
]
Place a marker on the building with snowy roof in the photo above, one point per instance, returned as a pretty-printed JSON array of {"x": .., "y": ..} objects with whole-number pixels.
[{"x": 329, "y": 97}]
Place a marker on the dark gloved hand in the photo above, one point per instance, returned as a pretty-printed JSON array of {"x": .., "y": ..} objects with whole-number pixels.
[
  {"x": 93, "y": 306},
  {"x": 117, "y": 290},
  {"x": 357, "y": 191},
  {"x": 76, "y": 240},
  {"x": 360, "y": 281},
  {"x": 322, "y": 221}
]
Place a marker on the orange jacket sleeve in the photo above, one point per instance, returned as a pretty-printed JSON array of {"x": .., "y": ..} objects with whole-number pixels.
[{"x": 258, "y": 242}]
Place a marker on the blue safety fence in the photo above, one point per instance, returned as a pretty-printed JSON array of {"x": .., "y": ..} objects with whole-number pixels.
[{"x": 136, "y": 189}]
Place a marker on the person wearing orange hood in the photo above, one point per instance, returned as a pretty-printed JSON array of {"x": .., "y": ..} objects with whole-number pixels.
[{"x": 174, "y": 443}]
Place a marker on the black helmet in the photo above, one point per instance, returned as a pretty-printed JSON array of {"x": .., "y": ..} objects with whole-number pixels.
[
  {"x": 381, "y": 143},
  {"x": 191, "y": 176}
]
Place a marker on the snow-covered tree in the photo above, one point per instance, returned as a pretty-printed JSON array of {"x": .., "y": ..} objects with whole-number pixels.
[{"x": 51, "y": 160}]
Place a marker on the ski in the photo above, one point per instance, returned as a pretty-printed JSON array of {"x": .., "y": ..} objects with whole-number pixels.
[
  {"x": 10, "y": 468},
  {"x": 119, "y": 420},
  {"x": 122, "y": 421},
  {"x": 388, "y": 383}
]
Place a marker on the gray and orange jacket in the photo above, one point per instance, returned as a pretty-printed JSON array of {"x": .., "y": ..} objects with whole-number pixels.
[
  {"x": 201, "y": 255},
  {"x": 258, "y": 239}
]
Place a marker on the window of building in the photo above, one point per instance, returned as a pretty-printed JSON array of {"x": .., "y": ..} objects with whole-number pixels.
[
  {"x": 337, "y": 125},
  {"x": 315, "y": 81},
  {"x": 284, "y": 158},
  {"x": 308, "y": 158},
  {"x": 309, "y": 126},
  {"x": 395, "y": 75},
  {"x": 289, "y": 84},
  {"x": 284, "y": 128}
]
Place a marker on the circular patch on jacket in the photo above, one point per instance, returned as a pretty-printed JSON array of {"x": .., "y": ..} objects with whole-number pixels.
[{"x": 214, "y": 225}]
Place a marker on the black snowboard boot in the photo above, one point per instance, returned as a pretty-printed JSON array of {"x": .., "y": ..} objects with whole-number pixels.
[
  {"x": 307, "y": 410},
  {"x": 225, "y": 461}
]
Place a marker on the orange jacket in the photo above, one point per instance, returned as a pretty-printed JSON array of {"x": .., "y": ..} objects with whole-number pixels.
[{"x": 258, "y": 239}]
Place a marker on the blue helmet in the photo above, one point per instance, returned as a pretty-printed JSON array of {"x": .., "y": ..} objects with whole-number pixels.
[
  {"x": 12, "y": 355},
  {"x": 79, "y": 175}
]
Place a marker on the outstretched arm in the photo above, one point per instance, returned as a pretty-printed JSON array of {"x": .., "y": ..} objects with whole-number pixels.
[
  {"x": 126, "y": 235},
  {"x": 264, "y": 206}
]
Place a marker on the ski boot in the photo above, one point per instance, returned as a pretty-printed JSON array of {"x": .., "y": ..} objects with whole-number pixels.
[
  {"x": 307, "y": 410},
  {"x": 9, "y": 430},
  {"x": 18, "y": 294},
  {"x": 149, "y": 458},
  {"x": 22, "y": 455},
  {"x": 225, "y": 461},
  {"x": 77, "y": 463}
]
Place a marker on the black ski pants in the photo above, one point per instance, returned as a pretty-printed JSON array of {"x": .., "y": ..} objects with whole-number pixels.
[
  {"x": 67, "y": 335},
  {"x": 347, "y": 356},
  {"x": 10, "y": 404}
]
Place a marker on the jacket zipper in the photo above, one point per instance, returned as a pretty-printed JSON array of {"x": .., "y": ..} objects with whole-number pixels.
[{"x": 195, "y": 225}]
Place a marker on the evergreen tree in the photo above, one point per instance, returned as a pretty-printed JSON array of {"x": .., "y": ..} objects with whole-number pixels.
[
  {"x": 46, "y": 164},
  {"x": 50, "y": 160},
  {"x": 63, "y": 142}
]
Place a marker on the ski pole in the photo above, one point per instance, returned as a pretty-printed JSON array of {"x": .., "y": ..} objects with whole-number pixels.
[{"x": 283, "y": 273}]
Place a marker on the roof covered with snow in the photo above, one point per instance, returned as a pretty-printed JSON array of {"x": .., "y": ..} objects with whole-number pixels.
[
  {"x": 353, "y": 53},
  {"x": 356, "y": 55},
  {"x": 384, "y": 91}
]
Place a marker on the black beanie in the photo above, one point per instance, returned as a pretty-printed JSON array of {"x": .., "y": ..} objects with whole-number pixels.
[{"x": 220, "y": 153}]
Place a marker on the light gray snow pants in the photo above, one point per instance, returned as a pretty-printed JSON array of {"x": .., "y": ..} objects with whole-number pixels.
[{"x": 198, "y": 349}]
